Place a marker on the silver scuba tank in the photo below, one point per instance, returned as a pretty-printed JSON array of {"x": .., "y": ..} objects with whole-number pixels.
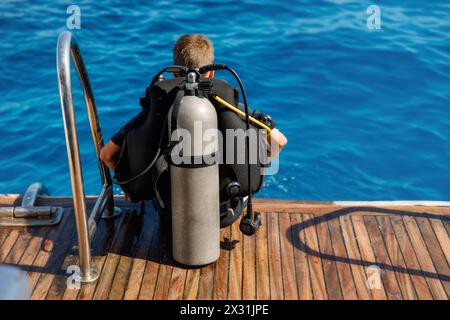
[{"x": 195, "y": 184}]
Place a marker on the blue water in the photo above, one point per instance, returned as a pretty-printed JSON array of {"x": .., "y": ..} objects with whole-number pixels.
[{"x": 367, "y": 113}]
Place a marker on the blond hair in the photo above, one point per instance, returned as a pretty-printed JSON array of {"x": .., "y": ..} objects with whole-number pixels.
[{"x": 193, "y": 51}]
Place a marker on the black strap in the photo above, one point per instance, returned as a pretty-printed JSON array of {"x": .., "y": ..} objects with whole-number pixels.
[
  {"x": 160, "y": 166},
  {"x": 173, "y": 113},
  {"x": 176, "y": 105}
]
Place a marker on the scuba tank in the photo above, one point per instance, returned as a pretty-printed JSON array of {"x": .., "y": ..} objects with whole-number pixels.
[
  {"x": 197, "y": 196},
  {"x": 195, "y": 179}
]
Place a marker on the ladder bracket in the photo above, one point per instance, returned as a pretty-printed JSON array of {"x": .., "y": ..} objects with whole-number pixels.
[{"x": 28, "y": 214}]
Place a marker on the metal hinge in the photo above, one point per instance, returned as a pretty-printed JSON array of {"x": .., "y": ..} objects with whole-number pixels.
[{"x": 28, "y": 214}]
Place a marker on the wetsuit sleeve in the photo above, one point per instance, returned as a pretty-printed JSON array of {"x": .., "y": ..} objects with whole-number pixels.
[{"x": 120, "y": 135}]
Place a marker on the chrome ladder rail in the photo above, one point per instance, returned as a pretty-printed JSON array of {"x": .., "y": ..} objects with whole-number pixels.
[{"x": 104, "y": 206}]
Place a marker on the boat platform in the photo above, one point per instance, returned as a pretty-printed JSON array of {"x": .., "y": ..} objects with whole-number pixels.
[{"x": 303, "y": 250}]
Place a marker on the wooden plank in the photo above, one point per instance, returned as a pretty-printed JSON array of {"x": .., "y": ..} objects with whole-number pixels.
[
  {"x": 134, "y": 282},
  {"x": 235, "y": 273},
  {"x": 190, "y": 291},
  {"x": 53, "y": 267},
  {"x": 315, "y": 262},
  {"x": 105, "y": 280},
  {"x": 446, "y": 224},
  {"x": 288, "y": 206},
  {"x": 19, "y": 247},
  {"x": 165, "y": 269},
  {"x": 301, "y": 258},
  {"x": 39, "y": 263},
  {"x": 367, "y": 254},
  {"x": 199, "y": 283},
  {"x": 8, "y": 243},
  {"x": 206, "y": 283},
  {"x": 287, "y": 258},
  {"x": 102, "y": 243},
  {"x": 222, "y": 266},
  {"x": 155, "y": 256},
  {"x": 396, "y": 258},
  {"x": 52, "y": 283},
  {"x": 140, "y": 258},
  {"x": 34, "y": 246},
  {"x": 134, "y": 231},
  {"x": 274, "y": 255},
  {"x": 266, "y": 205},
  {"x": 442, "y": 236},
  {"x": 59, "y": 284},
  {"x": 262, "y": 262},
  {"x": 149, "y": 279},
  {"x": 121, "y": 278},
  {"x": 106, "y": 277},
  {"x": 59, "y": 289},
  {"x": 71, "y": 293},
  {"x": 325, "y": 207},
  {"x": 424, "y": 258},
  {"x": 382, "y": 258},
  {"x": 31, "y": 252},
  {"x": 163, "y": 281},
  {"x": 411, "y": 261},
  {"x": 349, "y": 290},
  {"x": 87, "y": 290},
  {"x": 328, "y": 260},
  {"x": 4, "y": 232},
  {"x": 435, "y": 251},
  {"x": 45, "y": 251},
  {"x": 177, "y": 282},
  {"x": 249, "y": 268},
  {"x": 354, "y": 255}
]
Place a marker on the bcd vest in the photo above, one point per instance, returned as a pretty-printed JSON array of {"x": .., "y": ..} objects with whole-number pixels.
[{"x": 142, "y": 169}]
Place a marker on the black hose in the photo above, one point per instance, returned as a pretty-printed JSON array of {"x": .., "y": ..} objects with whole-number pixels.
[
  {"x": 217, "y": 66},
  {"x": 247, "y": 145},
  {"x": 174, "y": 68}
]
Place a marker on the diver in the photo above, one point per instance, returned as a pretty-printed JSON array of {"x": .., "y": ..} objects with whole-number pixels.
[{"x": 191, "y": 51}]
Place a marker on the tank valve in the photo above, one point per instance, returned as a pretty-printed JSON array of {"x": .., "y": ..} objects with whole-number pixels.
[{"x": 233, "y": 188}]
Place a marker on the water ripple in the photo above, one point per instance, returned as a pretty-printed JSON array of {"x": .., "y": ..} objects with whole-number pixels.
[{"x": 366, "y": 113}]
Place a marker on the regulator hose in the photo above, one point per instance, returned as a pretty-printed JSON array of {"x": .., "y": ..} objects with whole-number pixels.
[{"x": 249, "y": 223}]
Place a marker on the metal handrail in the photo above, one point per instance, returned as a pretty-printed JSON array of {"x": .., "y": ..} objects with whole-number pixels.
[{"x": 86, "y": 227}]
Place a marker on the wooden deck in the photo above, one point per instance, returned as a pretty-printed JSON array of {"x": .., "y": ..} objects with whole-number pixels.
[{"x": 303, "y": 250}]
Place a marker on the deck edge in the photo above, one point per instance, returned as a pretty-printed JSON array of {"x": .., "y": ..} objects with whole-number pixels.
[{"x": 260, "y": 204}]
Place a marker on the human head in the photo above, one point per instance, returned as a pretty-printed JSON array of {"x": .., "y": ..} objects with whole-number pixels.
[{"x": 194, "y": 51}]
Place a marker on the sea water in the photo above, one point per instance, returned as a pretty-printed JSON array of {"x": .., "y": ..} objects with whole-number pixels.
[{"x": 364, "y": 101}]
